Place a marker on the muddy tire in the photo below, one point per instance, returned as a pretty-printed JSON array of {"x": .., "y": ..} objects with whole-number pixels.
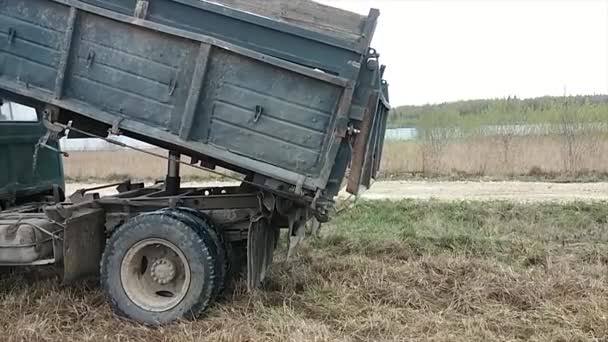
[
  {"x": 200, "y": 221},
  {"x": 157, "y": 268}
]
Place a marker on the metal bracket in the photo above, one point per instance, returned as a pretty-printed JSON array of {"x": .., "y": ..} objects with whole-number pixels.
[
  {"x": 65, "y": 154},
  {"x": 49, "y": 115},
  {"x": 269, "y": 201},
  {"x": 352, "y": 130},
  {"x": 259, "y": 110},
  {"x": 141, "y": 9},
  {"x": 11, "y": 35},
  {"x": 53, "y": 132},
  {"x": 172, "y": 85},
  {"x": 90, "y": 59},
  {"x": 81, "y": 196},
  {"x": 313, "y": 205},
  {"x": 115, "y": 129},
  {"x": 299, "y": 186}
]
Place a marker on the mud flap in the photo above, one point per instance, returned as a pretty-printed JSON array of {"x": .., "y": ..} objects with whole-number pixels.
[
  {"x": 261, "y": 242},
  {"x": 83, "y": 244}
]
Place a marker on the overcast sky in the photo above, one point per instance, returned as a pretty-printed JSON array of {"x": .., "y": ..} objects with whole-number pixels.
[{"x": 446, "y": 50}]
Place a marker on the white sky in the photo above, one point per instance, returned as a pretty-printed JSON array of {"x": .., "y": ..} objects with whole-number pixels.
[{"x": 447, "y": 50}]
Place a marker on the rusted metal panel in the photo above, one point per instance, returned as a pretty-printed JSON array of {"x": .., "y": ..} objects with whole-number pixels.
[
  {"x": 198, "y": 79},
  {"x": 361, "y": 145},
  {"x": 32, "y": 39},
  {"x": 83, "y": 243},
  {"x": 65, "y": 53},
  {"x": 144, "y": 81},
  {"x": 261, "y": 242},
  {"x": 306, "y": 13}
]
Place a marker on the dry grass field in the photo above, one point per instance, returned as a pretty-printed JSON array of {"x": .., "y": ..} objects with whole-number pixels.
[
  {"x": 123, "y": 164},
  {"x": 543, "y": 157},
  {"x": 382, "y": 271},
  {"x": 536, "y": 156}
]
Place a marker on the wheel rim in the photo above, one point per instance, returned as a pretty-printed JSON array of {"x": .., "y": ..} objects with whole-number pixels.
[{"x": 155, "y": 274}]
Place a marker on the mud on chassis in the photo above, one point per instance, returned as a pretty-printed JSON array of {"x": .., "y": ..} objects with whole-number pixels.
[{"x": 166, "y": 252}]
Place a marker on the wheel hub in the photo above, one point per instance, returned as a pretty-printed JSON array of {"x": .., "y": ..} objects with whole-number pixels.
[
  {"x": 162, "y": 271},
  {"x": 155, "y": 274}
]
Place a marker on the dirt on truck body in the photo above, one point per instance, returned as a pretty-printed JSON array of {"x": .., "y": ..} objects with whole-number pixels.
[{"x": 288, "y": 94}]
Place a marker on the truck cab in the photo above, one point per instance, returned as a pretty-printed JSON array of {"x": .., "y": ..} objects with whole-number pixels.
[{"x": 22, "y": 178}]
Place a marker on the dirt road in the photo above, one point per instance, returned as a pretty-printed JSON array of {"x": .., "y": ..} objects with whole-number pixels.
[{"x": 485, "y": 191}]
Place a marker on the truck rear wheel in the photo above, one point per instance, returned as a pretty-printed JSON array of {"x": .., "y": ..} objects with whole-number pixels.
[
  {"x": 157, "y": 268},
  {"x": 215, "y": 237}
]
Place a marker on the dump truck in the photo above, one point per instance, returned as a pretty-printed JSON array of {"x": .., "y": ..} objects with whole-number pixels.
[{"x": 288, "y": 95}]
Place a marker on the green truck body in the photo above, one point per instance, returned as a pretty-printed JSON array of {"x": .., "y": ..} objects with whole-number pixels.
[{"x": 20, "y": 178}]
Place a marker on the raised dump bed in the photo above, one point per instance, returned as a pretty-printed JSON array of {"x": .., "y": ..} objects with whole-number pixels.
[{"x": 260, "y": 92}]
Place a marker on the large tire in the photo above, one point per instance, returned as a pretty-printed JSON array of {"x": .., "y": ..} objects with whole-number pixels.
[
  {"x": 157, "y": 268},
  {"x": 201, "y": 222}
]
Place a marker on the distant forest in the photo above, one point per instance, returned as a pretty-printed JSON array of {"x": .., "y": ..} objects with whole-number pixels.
[{"x": 507, "y": 111}]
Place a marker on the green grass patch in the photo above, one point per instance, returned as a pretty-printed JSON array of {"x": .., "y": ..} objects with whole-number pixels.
[{"x": 490, "y": 228}]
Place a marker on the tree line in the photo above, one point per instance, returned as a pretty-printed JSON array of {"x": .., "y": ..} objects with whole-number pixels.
[{"x": 506, "y": 111}]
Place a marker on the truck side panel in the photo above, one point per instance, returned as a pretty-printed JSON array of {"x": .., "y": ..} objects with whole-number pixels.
[
  {"x": 272, "y": 115},
  {"x": 31, "y": 36},
  {"x": 129, "y": 71},
  {"x": 257, "y": 33},
  {"x": 147, "y": 76}
]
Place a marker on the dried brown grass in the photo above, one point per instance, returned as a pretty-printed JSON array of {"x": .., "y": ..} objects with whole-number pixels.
[
  {"x": 533, "y": 156},
  {"x": 124, "y": 164},
  {"x": 489, "y": 156},
  {"x": 382, "y": 272},
  {"x": 322, "y": 296}
]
